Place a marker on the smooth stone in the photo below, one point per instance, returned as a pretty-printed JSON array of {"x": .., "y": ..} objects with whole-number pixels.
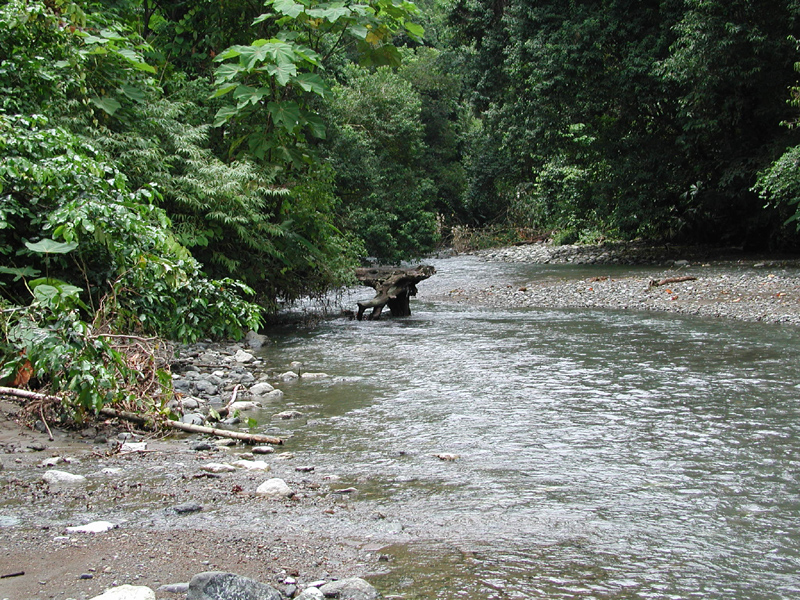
[
  {"x": 274, "y": 488},
  {"x": 288, "y": 414},
  {"x": 127, "y": 592},
  {"x": 217, "y": 468},
  {"x": 199, "y": 446},
  {"x": 243, "y": 357},
  {"x": 353, "y": 588},
  {"x": 288, "y": 375},
  {"x": 314, "y": 375},
  {"x": 217, "y": 585},
  {"x": 51, "y": 462},
  {"x": 193, "y": 419},
  {"x": 55, "y": 477},
  {"x": 251, "y": 465},
  {"x": 187, "y": 507},
  {"x": 133, "y": 447},
  {"x": 274, "y": 396},
  {"x": 260, "y": 389},
  {"x": 263, "y": 450},
  {"x": 93, "y": 527},
  {"x": 311, "y": 593},
  {"x": 244, "y": 405},
  {"x": 255, "y": 340}
]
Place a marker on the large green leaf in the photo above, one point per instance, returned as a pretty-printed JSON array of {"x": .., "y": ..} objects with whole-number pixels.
[
  {"x": 107, "y": 103},
  {"x": 224, "y": 114},
  {"x": 311, "y": 82},
  {"x": 48, "y": 246},
  {"x": 285, "y": 114},
  {"x": 282, "y": 73},
  {"x": 289, "y": 8}
]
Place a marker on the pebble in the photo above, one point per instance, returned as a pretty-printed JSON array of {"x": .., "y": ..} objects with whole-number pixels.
[{"x": 263, "y": 450}]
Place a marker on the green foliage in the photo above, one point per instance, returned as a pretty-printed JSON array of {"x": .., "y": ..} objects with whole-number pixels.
[
  {"x": 55, "y": 184},
  {"x": 376, "y": 150},
  {"x": 677, "y": 104},
  {"x": 233, "y": 216}
]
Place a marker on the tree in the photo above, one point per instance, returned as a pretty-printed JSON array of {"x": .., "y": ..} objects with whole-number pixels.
[{"x": 376, "y": 147}]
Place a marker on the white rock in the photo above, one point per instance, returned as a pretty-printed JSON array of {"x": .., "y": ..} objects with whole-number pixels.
[
  {"x": 217, "y": 468},
  {"x": 260, "y": 389},
  {"x": 93, "y": 527},
  {"x": 314, "y": 375},
  {"x": 251, "y": 465},
  {"x": 296, "y": 364},
  {"x": 287, "y": 375},
  {"x": 263, "y": 449},
  {"x": 311, "y": 593},
  {"x": 51, "y": 462},
  {"x": 55, "y": 477},
  {"x": 273, "y": 396},
  {"x": 274, "y": 488},
  {"x": 243, "y": 357},
  {"x": 244, "y": 405},
  {"x": 111, "y": 471},
  {"x": 133, "y": 447},
  {"x": 127, "y": 592}
]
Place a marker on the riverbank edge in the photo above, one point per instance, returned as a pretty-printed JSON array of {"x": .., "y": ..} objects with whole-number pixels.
[{"x": 700, "y": 281}]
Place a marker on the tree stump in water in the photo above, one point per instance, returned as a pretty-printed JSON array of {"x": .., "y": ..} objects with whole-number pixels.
[{"x": 393, "y": 286}]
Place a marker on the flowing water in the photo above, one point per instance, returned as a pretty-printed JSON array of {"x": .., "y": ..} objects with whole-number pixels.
[{"x": 601, "y": 454}]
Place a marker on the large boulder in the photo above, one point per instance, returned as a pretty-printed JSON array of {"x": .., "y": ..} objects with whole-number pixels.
[
  {"x": 218, "y": 585},
  {"x": 353, "y": 588}
]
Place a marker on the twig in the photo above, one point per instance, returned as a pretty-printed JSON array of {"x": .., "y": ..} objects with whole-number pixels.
[
  {"x": 46, "y": 426},
  {"x": 17, "y": 574}
]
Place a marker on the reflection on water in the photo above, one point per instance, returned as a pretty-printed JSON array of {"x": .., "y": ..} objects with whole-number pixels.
[{"x": 601, "y": 454}]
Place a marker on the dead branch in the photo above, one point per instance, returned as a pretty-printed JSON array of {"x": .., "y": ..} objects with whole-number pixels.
[
  {"x": 28, "y": 395},
  {"x": 668, "y": 280},
  {"x": 250, "y": 438}
]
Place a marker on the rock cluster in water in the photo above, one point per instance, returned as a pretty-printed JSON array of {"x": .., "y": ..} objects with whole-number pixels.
[
  {"x": 208, "y": 377},
  {"x": 219, "y": 585}
]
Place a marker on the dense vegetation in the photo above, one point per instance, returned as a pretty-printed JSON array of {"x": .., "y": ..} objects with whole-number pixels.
[{"x": 175, "y": 169}]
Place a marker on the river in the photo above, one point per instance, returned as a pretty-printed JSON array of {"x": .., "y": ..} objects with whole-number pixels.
[{"x": 601, "y": 454}]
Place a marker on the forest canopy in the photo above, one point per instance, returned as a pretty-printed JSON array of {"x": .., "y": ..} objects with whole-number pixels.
[{"x": 176, "y": 169}]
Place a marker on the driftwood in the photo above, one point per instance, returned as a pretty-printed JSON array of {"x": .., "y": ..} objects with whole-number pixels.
[
  {"x": 150, "y": 423},
  {"x": 394, "y": 286},
  {"x": 252, "y": 438},
  {"x": 668, "y": 280}
]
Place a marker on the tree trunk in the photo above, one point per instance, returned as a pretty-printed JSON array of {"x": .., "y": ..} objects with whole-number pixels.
[{"x": 393, "y": 287}]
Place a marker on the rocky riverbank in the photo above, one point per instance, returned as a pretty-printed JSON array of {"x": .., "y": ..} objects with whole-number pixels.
[
  {"x": 111, "y": 506},
  {"x": 696, "y": 281}
]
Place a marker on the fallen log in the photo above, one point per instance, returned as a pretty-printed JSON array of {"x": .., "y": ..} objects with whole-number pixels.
[
  {"x": 250, "y": 438},
  {"x": 394, "y": 286},
  {"x": 151, "y": 423}
]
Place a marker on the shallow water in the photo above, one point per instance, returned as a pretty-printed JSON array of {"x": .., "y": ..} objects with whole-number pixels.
[{"x": 602, "y": 454}]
